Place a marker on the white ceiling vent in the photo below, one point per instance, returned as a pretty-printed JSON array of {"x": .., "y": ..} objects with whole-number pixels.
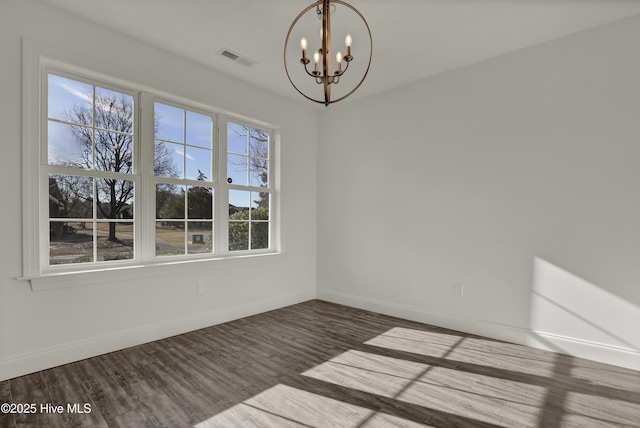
[{"x": 236, "y": 57}]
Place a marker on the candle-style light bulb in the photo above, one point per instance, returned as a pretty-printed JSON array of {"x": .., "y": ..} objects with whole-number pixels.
[
  {"x": 339, "y": 61},
  {"x": 303, "y": 46},
  {"x": 347, "y": 43},
  {"x": 316, "y": 58}
]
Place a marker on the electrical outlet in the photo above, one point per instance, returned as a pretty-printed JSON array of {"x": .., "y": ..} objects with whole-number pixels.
[
  {"x": 200, "y": 287},
  {"x": 458, "y": 289}
]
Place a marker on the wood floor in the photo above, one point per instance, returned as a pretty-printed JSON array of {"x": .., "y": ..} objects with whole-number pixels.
[{"x": 318, "y": 364}]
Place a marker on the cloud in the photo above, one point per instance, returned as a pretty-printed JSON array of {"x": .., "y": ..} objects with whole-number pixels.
[
  {"x": 62, "y": 84},
  {"x": 181, "y": 153}
]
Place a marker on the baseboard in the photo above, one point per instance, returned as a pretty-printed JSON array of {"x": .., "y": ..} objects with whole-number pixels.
[
  {"x": 619, "y": 356},
  {"x": 69, "y": 352}
]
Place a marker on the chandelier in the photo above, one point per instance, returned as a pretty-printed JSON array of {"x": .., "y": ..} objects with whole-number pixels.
[{"x": 318, "y": 67}]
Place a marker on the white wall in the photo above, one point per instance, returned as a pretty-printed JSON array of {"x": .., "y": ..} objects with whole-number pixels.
[
  {"x": 48, "y": 328},
  {"x": 517, "y": 177}
]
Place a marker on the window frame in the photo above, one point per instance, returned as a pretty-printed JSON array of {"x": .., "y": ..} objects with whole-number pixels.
[{"x": 36, "y": 170}]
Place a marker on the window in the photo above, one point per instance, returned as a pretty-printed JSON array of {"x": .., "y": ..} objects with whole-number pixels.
[
  {"x": 184, "y": 188},
  {"x": 249, "y": 193},
  {"x": 89, "y": 169},
  {"x": 128, "y": 178}
]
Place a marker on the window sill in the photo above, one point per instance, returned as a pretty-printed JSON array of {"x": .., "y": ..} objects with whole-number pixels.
[{"x": 52, "y": 281}]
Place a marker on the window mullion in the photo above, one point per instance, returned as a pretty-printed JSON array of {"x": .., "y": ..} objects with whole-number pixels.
[
  {"x": 145, "y": 210},
  {"x": 222, "y": 195},
  {"x": 44, "y": 243},
  {"x": 185, "y": 237}
]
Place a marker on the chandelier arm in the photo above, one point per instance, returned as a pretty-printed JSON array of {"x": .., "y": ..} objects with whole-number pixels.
[
  {"x": 310, "y": 73},
  {"x": 342, "y": 71}
]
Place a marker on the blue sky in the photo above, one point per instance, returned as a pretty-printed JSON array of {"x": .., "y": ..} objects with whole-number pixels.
[{"x": 188, "y": 135}]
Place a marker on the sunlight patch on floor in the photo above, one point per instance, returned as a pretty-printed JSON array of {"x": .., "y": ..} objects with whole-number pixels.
[
  {"x": 471, "y": 350},
  {"x": 283, "y": 405},
  {"x": 615, "y": 412},
  {"x": 611, "y": 377},
  {"x": 415, "y": 341},
  {"x": 503, "y": 356},
  {"x": 469, "y": 395}
]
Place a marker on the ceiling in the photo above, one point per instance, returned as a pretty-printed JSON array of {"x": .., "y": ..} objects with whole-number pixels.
[{"x": 412, "y": 39}]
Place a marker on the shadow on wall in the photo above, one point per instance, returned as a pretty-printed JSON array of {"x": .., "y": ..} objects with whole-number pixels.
[{"x": 565, "y": 306}]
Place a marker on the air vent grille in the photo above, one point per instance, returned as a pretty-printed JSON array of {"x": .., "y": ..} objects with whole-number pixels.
[
  {"x": 229, "y": 55},
  {"x": 235, "y": 57}
]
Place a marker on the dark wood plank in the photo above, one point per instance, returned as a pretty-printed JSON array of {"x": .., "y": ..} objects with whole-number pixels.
[
  {"x": 7, "y": 420},
  {"x": 160, "y": 409},
  {"x": 133, "y": 419},
  {"x": 66, "y": 389},
  {"x": 33, "y": 389},
  {"x": 122, "y": 368},
  {"x": 105, "y": 391}
]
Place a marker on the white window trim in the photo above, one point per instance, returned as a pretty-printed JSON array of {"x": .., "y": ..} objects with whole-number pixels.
[
  {"x": 111, "y": 274},
  {"x": 37, "y": 57}
]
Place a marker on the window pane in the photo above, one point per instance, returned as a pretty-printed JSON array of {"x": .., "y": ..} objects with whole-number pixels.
[
  {"x": 70, "y": 242},
  {"x": 115, "y": 198},
  {"x": 168, "y": 159},
  {"x": 199, "y": 127},
  {"x": 114, "y": 152},
  {"x": 259, "y": 206},
  {"x": 237, "y": 138},
  {"x": 170, "y": 238},
  {"x": 169, "y": 123},
  {"x": 169, "y": 201},
  {"x": 259, "y": 235},
  {"x": 69, "y": 145},
  {"x": 238, "y": 236},
  {"x": 259, "y": 172},
  {"x": 200, "y": 237},
  {"x": 259, "y": 143},
  {"x": 200, "y": 203},
  {"x": 198, "y": 164},
  {"x": 70, "y": 196},
  {"x": 239, "y": 203},
  {"x": 66, "y": 96},
  {"x": 237, "y": 167},
  {"x": 113, "y": 111},
  {"x": 115, "y": 241}
]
